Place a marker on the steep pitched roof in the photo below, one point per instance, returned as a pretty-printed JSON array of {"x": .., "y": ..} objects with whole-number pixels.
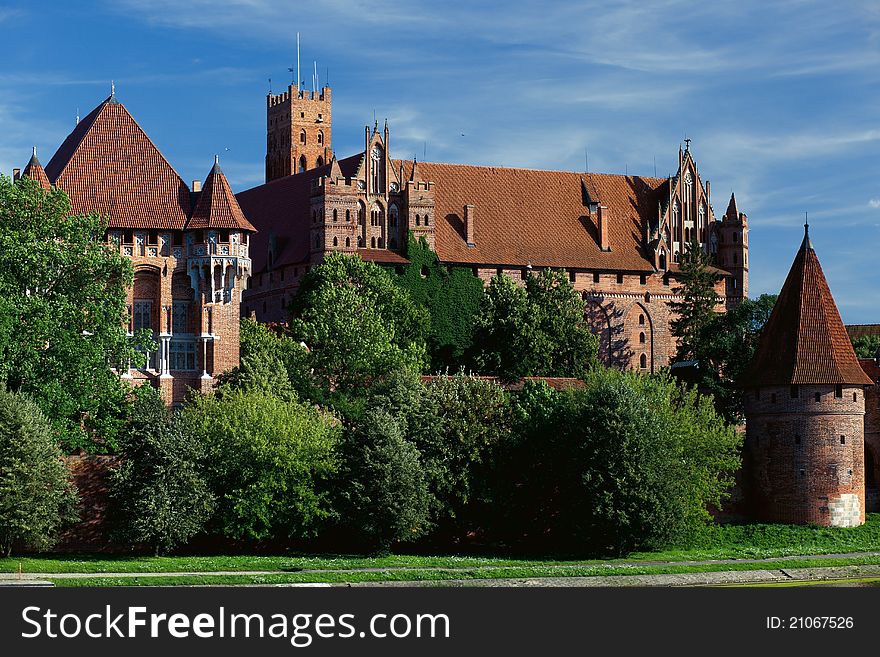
[
  {"x": 109, "y": 165},
  {"x": 217, "y": 207},
  {"x": 805, "y": 341},
  {"x": 527, "y": 216},
  {"x": 280, "y": 211},
  {"x": 34, "y": 170},
  {"x": 732, "y": 210}
]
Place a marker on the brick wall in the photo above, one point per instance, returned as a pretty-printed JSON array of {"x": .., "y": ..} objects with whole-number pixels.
[{"x": 805, "y": 456}]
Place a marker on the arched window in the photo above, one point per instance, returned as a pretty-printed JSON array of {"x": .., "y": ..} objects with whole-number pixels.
[
  {"x": 392, "y": 216},
  {"x": 320, "y": 136},
  {"x": 347, "y": 242},
  {"x": 302, "y": 164},
  {"x": 335, "y": 241},
  {"x": 335, "y": 217},
  {"x": 348, "y": 216},
  {"x": 642, "y": 338},
  {"x": 641, "y": 320},
  {"x": 643, "y": 361},
  {"x": 418, "y": 220},
  {"x": 675, "y": 216},
  {"x": 372, "y": 242},
  {"x": 360, "y": 241},
  {"x": 377, "y": 170},
  {"x": 426, "y": 219},
  {"x": 362, "y": 213},
  {"x": 319, "y": 162},
  {"x": 302, "y": 137}
]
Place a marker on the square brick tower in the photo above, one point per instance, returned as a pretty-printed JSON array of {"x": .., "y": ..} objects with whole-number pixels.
[{"x": 298, "y": 131}]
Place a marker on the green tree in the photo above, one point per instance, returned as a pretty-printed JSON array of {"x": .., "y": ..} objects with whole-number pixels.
[
  {"x": 866, "y": 346},
  {"x": 628, "y": 462},
  {"x": 382, "y": 485},
  {"x": 37, "y": 497},
  {"x": 268, "y": 462},
  {"x": 357, "y": 323},
  {"x": 726, "y": 347},
  {"x": 452, "y": 297},
  {"x": 159, "y": 495},
  {"x": 696, "y": 310},
  {"x": 535, "y": 330},
  {"x": 62, "y": 314}
]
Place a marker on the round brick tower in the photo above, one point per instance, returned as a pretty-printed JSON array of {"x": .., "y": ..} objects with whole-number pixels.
[{"x": 804, "y": 451}]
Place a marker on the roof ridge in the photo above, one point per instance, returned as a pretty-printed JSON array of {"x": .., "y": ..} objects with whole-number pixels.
[{"x": 532, "y": 169}]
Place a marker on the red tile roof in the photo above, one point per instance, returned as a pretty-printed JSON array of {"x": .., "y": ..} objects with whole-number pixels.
[
  {"x": 856, "y": 331},
  {"x": 280, "y": 211},
  {"x": 109, "y": 165},
  {"x": 382, "y": 256},
  {"x": 527, "y": 216},
  {"x": 804, "y": 341},
  {"x": 34, "y": 170},
  {"x": 217, "y": 207}
]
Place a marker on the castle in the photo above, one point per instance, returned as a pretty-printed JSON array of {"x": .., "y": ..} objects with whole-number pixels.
[
  {"x": 203, "y": 257},
  {"x": 619, "y": 237}
]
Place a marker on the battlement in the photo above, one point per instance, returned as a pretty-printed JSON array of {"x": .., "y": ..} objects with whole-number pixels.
[{"x": 293, "y": 92}]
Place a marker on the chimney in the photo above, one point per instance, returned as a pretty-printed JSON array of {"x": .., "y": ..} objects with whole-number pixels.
[
  {"x": 602, "y": 224},
  {"x": 470, "y": 219},
  {"x": 16, "y": 174},
  {"x": 197, "y": 186}
]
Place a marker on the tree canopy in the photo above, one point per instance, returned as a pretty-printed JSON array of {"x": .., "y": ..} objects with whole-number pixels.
[
  {"x": 62, "y": 314},
  {"x": 358, "y": 324},
  {"x": 696, "y": 310},
  {"x": 535, "y": 330}
]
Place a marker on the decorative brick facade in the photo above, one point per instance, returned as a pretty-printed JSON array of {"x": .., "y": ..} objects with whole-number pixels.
[
  {"x": 189, "y": 249},
  {"x": 620, "y": 238}
]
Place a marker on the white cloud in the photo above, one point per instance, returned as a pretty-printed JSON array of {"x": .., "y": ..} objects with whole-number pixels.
[{"x": 874, "y": 203}]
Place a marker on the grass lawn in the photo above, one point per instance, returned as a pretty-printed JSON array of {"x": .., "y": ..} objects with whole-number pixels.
[{"x": 723, "y": 542}]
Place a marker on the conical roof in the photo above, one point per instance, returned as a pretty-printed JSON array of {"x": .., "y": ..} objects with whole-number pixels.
[
  {"x": 35, "y": 171},
  {"x": 109, "y": 165},
  {"x": 217, "y": 206},
  {"x": 805, "y": 342},
  {"x": 732, "y": 210}
]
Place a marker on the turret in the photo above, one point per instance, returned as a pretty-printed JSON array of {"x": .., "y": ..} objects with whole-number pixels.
[
  {"x": 732, "y": 252},
  {"x": 34, "y": 170},
  {"x": 805, "y": 407},
  {"x": 298, "y": 131}
]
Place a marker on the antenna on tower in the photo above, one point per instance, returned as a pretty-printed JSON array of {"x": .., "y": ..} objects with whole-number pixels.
[
  {"x": 270, "y": 86},
  {"x": 655, "y": 166},
  {"x": 586, "y": 161},
  {"x": 425, "y": 152},
  {"x": 298, "y": 76},
  {"x": 315, "y": 78}
]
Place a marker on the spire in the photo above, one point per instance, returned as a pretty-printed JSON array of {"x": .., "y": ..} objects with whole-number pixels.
[
  {"x": 34, "y": 170},
  {"x": 217, "y": 206},
  {"x": 806, "y": 244},
  {"x": 414, "y": 175},
  {"x": 732, "y": 210},
  {"x": 112, "y": 99},
  {"x": 804, "y": 341}
]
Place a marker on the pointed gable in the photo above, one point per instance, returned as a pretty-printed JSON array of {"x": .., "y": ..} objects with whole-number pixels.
[
  {"x": 34, "y": 170},
  {"x": 805, "y": 341},
  {"x": 217, "y": 207},
  {"x": 732, "y": 210},
  {"x": 108, "y": 165}
]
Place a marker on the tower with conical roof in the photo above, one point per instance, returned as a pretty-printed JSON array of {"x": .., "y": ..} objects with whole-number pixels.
[
  {"x": 35, "y": 171},
  {"x": 732, "y": 252},
  {"x": 805, "y": 407}
]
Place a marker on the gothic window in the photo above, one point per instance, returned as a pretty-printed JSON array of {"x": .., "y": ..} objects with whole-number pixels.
[
  {"x": 675, "y": 218},
  {"x": 372, "y": 242},
  {"x": 642, "y": 338},
  {"x": 662, "y": 259},
  {"x": 360, "y": 241},
  {"x": 392, "y": 216},
  {"x": 418, "y": 220},
  {"x": 178, "y": 316},
  {"x": 320, "y": 137},
  {"x": 335, "y": 241},
  {"x": 427, "y": 219},
  {"x": 347, "y": 242},
  {"x": 335, "y": 216},
  {"x": 348, "y": 216},
  {"x": 376, "y": 171},
  {"x": 302, "y": 164},
  {"x": 641, "y": 320},
  {"x": 688, "y": 187},
  {"x": 362, "y": 211},
  {"x": 143, "y": 312},
  {"x": 702, "y": 224},
  {"x": 319, "y": 162},
  {"x": 182, "y": 355},
  {"x": 643, "y": 361},
  {"x": 302, "y": 137}
]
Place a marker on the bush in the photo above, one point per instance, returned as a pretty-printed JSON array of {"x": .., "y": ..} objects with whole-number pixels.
[
  {"x": 268, "y": 462},
  {"x": 629, "y": 462},
  {"x": 159, "y": 495},
  {"x": 383, "y": 490},
  {"x": 37, "y": 497}
]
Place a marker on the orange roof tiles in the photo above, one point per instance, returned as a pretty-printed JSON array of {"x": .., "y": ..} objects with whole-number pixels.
[
  {"x": 217, "y": 207},
  {"x": 34, "y": 170},
  {"x": 805, "y": 341},
  {"x": 862, "y": 330},
  {"x": 109, "y": 165},
  {"x": 527, "y": 216}
]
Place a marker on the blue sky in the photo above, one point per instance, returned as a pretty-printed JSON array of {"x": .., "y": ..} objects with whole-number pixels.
[{"x": 781, "y": 99}]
